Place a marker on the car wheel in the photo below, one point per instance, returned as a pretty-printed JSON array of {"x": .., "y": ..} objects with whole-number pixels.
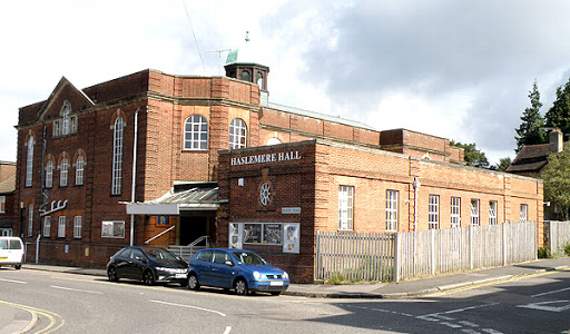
[
  {"x": 240, "y": 287},
  {"x": 193, "y": 283},
  {"x": 18, "y": 267},
  {"x": 275, "y": 293},
  {"x": 112, "y": 274},
  {"x": 148, "y": 278}
]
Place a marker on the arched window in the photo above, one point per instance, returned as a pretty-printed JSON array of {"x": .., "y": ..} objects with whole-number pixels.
[
  {"x": 273, "y": 141},
  {"x": 117, "y": 170},
  {"x": 63, "y": 172},
  {"x": 245, "y": 76},
  {"x": 79, "y": 170},
  {"x": 49, "y": 174},
  {"x": 66, "y": 118},
  {"x": 238, "y": 133},
  {"x": 259, "y": 79},
  {"x": 30, "y": 162},
  {"x": 196, "y": 133}
]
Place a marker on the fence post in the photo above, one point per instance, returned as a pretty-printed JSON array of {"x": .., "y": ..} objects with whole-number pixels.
[
  {"x": 318, "y": 257},
  {"x": 432, "y": 251},
  {"x": 471, "y": 247},
  {"x": 397, "y": 257},
  {"x": 504, "y": 243}
]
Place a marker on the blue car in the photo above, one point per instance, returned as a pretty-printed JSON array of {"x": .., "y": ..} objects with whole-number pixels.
[{"x": 238, "y": 269}]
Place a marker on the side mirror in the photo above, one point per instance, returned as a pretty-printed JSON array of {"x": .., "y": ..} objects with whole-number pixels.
[{"x": 229, "y": 263}]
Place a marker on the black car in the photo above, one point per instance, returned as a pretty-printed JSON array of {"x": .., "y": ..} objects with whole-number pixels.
[{"x": 148, "y": 264}]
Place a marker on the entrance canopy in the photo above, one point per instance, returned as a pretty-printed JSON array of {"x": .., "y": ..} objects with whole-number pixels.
[{"x": 183, "y": 197}]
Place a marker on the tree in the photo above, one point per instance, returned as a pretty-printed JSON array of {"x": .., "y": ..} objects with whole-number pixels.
[
  {"x": 559, "y": 115},
  {"x": 531, "y": 131},
  {"x": 556, "y": 176},
  {"x": 473, "y": 157},
  {"x": 503, "y": 164}
]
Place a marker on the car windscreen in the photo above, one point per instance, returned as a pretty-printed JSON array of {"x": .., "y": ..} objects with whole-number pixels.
[
  {"x": 159, "y": 254},
  {"x": 3, "y": 244},
  {"x": 249, "y": 258}
]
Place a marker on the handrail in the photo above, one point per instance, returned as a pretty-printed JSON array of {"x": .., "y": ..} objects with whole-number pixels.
[
  {"x": 160, "y": 234},
  {"x": 199, "y": 240}
]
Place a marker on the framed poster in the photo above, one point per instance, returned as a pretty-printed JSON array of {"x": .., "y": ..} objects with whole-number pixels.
[
  {"x": 235, "y": 235},
  {"x": 291, "y": 238}
]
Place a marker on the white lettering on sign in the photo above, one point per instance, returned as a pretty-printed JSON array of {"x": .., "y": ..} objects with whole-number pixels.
[
  {"x": 265, "y": 158},
  {"x": 291, "y": 210}
]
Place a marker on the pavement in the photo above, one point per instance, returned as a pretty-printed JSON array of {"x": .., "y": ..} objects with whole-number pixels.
[
  {"x": 407, "y": 289},
  {"x": 15, "y": 320}
]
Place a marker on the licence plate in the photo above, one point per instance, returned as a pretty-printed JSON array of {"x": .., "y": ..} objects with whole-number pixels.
[
  {"x": 276, "y": 283},
  {"x": 180, "y": 276}
]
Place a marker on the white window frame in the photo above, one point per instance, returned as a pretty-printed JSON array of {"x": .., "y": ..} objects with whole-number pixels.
[
  {"x": 77, "y": 223},
  {"x": 66, "y": 118},
  {"x": 49, "y": 174},
  {"x": 493, "y": 205},
  {"x": 195, "y": 127},
  {"x": 29, "y": 161},
  {"x": 455, "y": 212},
  {"x": 392, "y": 199},
  {"x": 30, "y": 220},
  {"x": 79, "y": 170},
  {"x": 475, "y": 208},
  {"x": 56, "y": 131},
  {"x": 61, "y": 222},
  {"x": 523, "y": 213},
  {"x": 47, "y": 227},
  {"x": 64, "y": 172},
  {"x": 433, "y": 212},
  {"x": 117, "y": 167},
  {"x": 2, "y": 204},
  {"x": 345, "y": 208},
  {"x": 113, "y": 223},
  {"x": 238, "y": 133}
]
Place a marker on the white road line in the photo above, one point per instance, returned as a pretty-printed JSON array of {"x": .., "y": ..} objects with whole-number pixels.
[
  {"x": 491, "y": 331},
  {"x": 468, "y": 323},
  {"x": 470, "y": 331},
  {"x": 459, "y": 310},
  {"x": 228, "y": 330},
  {"x": 549, "y": 292},
  {"x": 188, "y": 306},
  {"x": 76, "y": 290},
  {"x": 452, "y": 325},
  {"x": 12, "y": 281}
]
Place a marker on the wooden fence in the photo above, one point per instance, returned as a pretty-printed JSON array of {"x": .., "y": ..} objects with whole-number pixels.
[
  {"x": 407, "y": 255},
  {"x": 366, "y": 257},
  {"x": 558, "y": 235}
]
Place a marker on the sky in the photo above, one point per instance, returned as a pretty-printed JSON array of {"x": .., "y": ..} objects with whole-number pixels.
[{"x": 456, "y": 69}]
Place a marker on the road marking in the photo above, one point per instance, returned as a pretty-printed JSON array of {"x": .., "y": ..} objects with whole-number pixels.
[
  {"x": 188, "y": 306},
  {"x": 470, "y": 331},
  {"x": 452, "y": 325},
  {"x": 491, "y": 331},
  {"x": 459, "y": 310},
  {"x": 468, "y": 324},
  {"x": 545, "y": 306},
  {"x": 12, "y": 281},
  {"x": 549, "y": 292},
  {"x": 228, "y": 330},
  {"x": 76, "y": 290},
  {"x": 55, "y": 321}
]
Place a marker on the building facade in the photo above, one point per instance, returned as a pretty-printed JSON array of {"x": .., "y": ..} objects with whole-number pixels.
[
  {"x": 147, "y": 159},
  {"x": 8, "y": 207}
]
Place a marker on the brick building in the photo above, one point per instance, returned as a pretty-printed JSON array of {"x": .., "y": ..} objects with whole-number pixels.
[
  {"x": 146, "y": 158},
  {"x": 8, "y": 209}
]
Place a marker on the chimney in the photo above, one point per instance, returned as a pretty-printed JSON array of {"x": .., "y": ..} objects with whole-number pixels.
[{"x": 556, "y": 140}]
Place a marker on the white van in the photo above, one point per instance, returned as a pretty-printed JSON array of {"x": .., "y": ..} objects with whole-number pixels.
[{"x": 11, "y": 252}]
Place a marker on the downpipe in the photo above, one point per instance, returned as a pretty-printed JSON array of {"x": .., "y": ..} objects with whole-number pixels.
[
  {"x": 134, "y": 176},
  {"x": 38, "y": 248}
]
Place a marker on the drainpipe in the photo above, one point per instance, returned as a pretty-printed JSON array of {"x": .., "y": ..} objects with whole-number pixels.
[
  {"x": 416, "y": 184},
  {"x": 38, "y": 248},
  {"x": 134, "y": 177}
]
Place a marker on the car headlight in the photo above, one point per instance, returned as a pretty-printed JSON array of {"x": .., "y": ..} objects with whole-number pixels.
[
  {"x": 285, "y": 275},
  {"x": 257, "y": 275}
]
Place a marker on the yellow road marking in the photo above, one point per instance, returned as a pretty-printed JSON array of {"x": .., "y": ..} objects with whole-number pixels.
[{"x": 55, "y": 320}]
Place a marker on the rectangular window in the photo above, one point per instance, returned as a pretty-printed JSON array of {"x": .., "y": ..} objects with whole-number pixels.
[
  {"x": 63, "y": 172},
  {"x": 391, "y": 210},
  {"x": 113, "y": 229},
  {"x": 345, "y": 207},
  {"x": 30, "y": 220},
  {"x": 56, "y": 128},
  {"x": 455, "y": 213},
  {"x": 77, "y": 227},
  {"x": 475, "y": 212},
  {"x": 492, "y": 212},
  {"x": 162, "y": 220},
  {"x": 61, "y": 227},
  {"x": 524, "y": 213},
  {"x": 2, "y": 204},
  {"x": 263, "y": 233},
  {"x": 79, "y": 171},
  {"x": 30, "y": 162},
  {"x": 433, "y": 212},
  {"x": 47, "y": 226},
  {"x": 73, "y": 124}
]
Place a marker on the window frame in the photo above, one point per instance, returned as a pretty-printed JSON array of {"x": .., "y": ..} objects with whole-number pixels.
[
  {"x": 30, "y": 220},
  {"x": 475, "y": 216},
  {"x": 525, "y": 212},
  {"x": 49, "y": 174},
  {"x": 262, "y": 233},
  {"x": 392, "y": 210},
  {"x": 493, "y": 207},
  {"x": 238, "y": 131},
  {"x": 46, "y": 231},
  {"x": 61, "y": 226},
  {"x": 346, "y": 207},
  {"x": 79, "y": 170},
  {"x": 433, "y": 216},
  {"x": 455, "y": 212},
  {"x": 64, "y": 173},
  {"x": 190, "y": 142},
  {"x": 2, "y": 204},
  {"x": 77, "y": 227},
  {"x": 29, "y": 162},
  {"x": 117, "y": 157},
  {"x": 113, "y": 222}
]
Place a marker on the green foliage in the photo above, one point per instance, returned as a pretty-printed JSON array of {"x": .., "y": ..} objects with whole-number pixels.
[
  {"x": 544, "y": 253},
  {"x": 336, "y": 279},
  {"x": 559, "y": 114},
  {"x": 556, "y": 176},
  {"x": 567, "y": 249},
  {"x": 531, "y": 131},
  {"x": 503, "y": 164},
  {"x": 473, "y": 156}
]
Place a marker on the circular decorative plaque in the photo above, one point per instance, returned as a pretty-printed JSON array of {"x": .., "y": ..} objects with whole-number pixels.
[{"x": 265, "y": 194}]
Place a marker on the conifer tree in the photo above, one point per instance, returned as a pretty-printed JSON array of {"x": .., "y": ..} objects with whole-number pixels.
[
  {"x": 531, "y": 131},
  {"x": 559, "y": 115}
]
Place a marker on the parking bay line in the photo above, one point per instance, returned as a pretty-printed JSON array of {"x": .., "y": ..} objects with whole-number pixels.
[
  {"x": 188, "y": 306},
  {"x": 228, "y": 330},
  {"x": 549, "y": 292},
  {"x": 76, "y": 290},
  {"x": 12, "y": 281}
]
